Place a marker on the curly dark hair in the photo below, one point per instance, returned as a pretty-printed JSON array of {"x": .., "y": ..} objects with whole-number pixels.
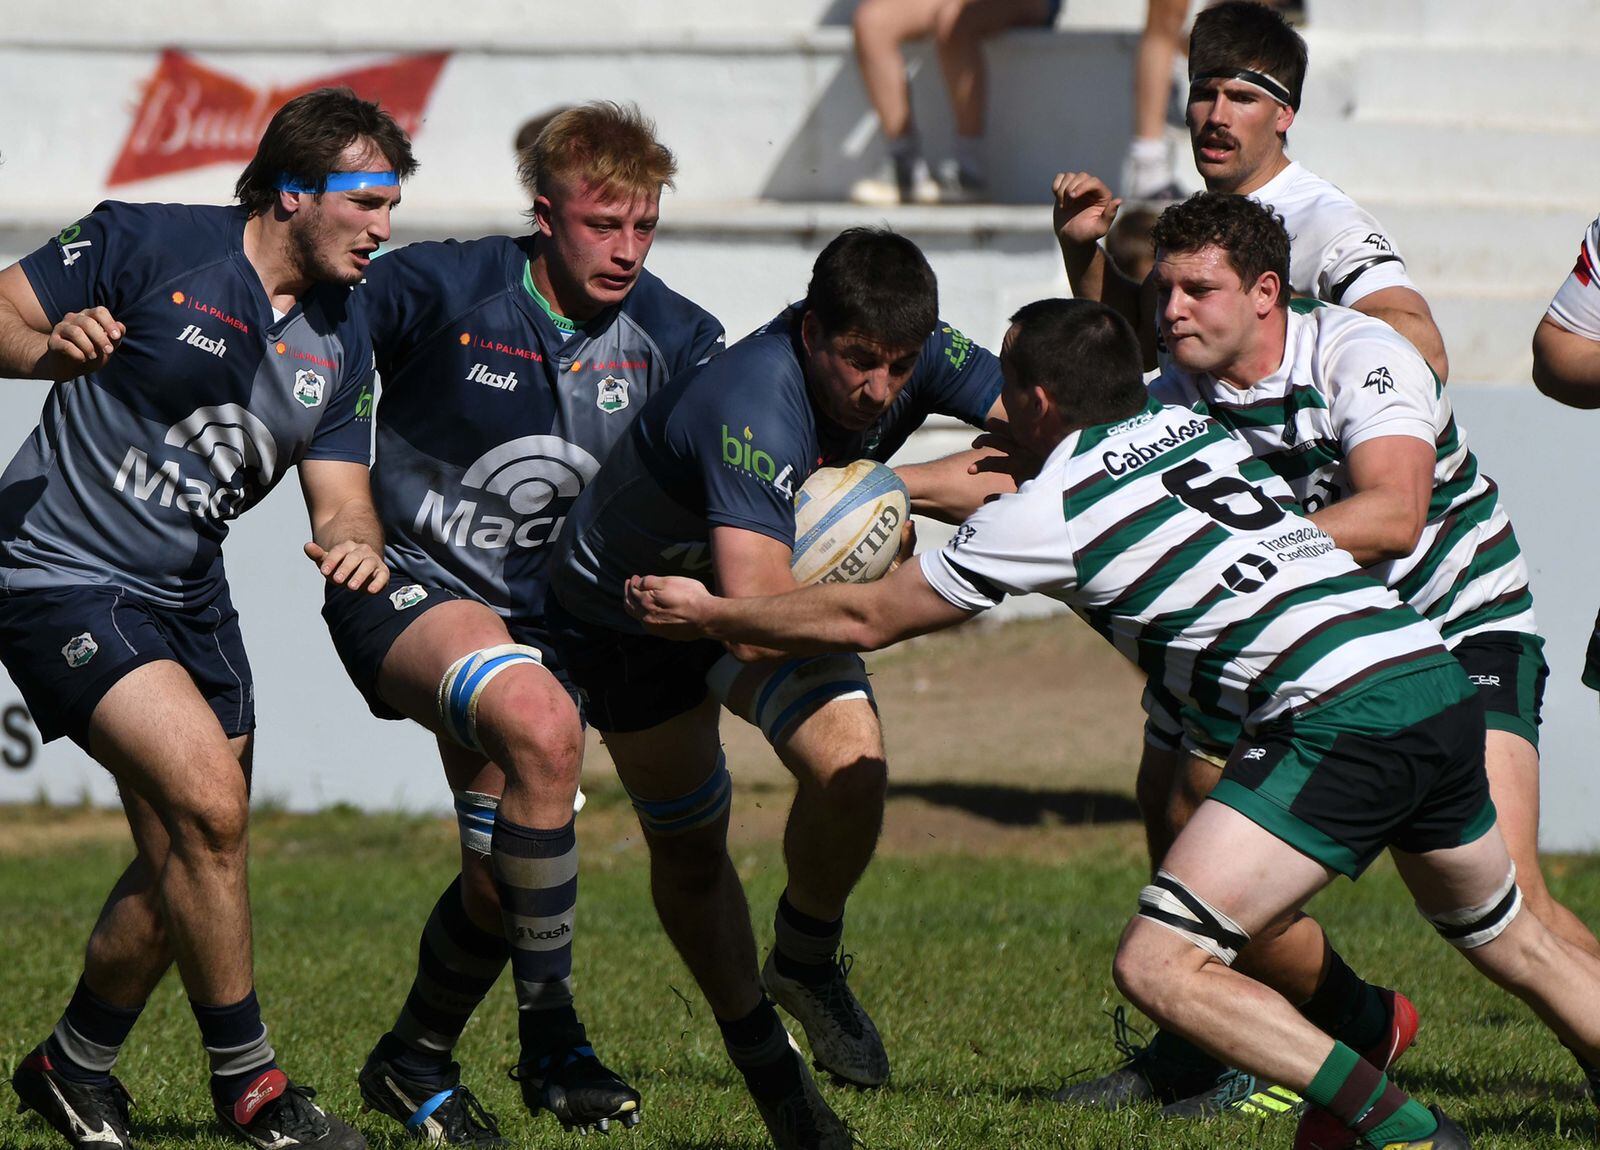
[
  {"x": 1244, "y": 34},
  {"x": 1251, "y": 234},
  {"x": 306, "y": 137}
]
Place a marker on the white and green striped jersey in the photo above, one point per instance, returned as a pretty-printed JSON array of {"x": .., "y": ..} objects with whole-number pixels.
[
  {"x": 1345, "y": 379},
  {"x": 1168, "y": 537}
]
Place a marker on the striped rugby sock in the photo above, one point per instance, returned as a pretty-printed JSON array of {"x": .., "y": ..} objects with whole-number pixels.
[{"x": 536, "y": 874}]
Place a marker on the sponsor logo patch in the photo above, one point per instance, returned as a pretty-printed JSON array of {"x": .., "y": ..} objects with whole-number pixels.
[
  {"x": 80, "y": 649},
  {"x": 1380, "y": 378},
  {"x": 195, "y": 337},
  {"x": 480, "y": 373}
]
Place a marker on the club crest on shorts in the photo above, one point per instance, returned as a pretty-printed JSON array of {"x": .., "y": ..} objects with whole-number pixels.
[
  {"x": 613, "y": 395},
  {"x": 79, "y": 649},
  {"x": 308, "y": 387},
  {"x": 408, "y": 596}
]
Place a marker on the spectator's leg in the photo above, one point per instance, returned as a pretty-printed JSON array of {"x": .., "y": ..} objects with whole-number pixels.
[
  {"x": 881, "y": 27},
  {"x": 1149, "y": 168}
]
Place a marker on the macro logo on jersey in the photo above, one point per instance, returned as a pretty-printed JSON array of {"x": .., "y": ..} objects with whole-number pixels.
[
  {"x": 613, "y": 395},
  {"x": 408, "y": 596},
  {"x": 237, "y": 447},
  {"x": 80, "y": 649},
  {"x": 308, "y": 387},
  {"x": 531, "y": 475},
  {"x": 195, "y": 336},
  {"x": 1380, "y": 378}
]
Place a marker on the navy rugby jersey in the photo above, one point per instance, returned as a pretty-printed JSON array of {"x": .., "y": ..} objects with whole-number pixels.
[
  {"x": 492, "y": 420},
  {"x": 727, "y": 446},
  {"x": 134, "y": 471}
]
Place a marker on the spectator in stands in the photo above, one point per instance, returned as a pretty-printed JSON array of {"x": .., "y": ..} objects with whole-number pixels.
[
  {"x": 1147, "y": 174},
  {"x": 958, "y": 28}
]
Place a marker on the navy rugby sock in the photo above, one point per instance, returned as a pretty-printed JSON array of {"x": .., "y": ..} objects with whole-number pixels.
[
  {"x": 235, "y": 1039},
  {"x": 457, "y": 964},
  {"x": 536, "y": 874},
  {"x": 804, "y": 947},
  {"x": 84, "y": 1045},
  {"x": 759, "y": 1047}
]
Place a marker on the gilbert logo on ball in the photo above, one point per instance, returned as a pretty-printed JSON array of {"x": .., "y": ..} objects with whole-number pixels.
[{"x": 848, "y": 522}]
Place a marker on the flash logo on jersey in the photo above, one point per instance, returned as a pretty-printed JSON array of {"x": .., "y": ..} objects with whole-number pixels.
[
  {"x": 480, "y": 373},
  {"x": 195, "y": 337},
  {"x": 613, "y": 395},
  {"x": 80, "y": 649},
  {"x": 1380, "y": 379},
  {"x": 308, "y": 388}
]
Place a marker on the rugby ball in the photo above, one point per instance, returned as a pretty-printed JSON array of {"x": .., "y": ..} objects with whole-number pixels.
[{"x": 847, "y": 523}]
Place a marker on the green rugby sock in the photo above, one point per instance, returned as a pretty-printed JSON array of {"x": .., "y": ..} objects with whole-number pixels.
[{"x": 1362, "y": 1097}]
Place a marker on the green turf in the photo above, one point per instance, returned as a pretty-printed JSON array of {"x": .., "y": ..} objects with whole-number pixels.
[{"x": 989, "y": 980}]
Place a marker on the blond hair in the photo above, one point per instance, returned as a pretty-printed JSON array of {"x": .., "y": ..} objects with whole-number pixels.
[{"x": 612, "y": 147}]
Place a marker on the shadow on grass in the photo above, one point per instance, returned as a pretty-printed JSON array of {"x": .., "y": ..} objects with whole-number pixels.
[
  {"x": 1019, "y": 807},
  {"x": 1431, "y": 1081}
]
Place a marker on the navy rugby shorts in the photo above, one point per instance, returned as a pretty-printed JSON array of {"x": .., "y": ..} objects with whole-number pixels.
[
  {"x": 365, "y": 626},
  {"x": 65, "y": 647}
]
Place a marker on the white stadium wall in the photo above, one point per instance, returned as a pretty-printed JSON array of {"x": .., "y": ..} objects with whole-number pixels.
[{"x": 1485, "y": 188}]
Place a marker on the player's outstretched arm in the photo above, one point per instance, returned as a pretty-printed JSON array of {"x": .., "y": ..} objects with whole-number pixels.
[
  {"x": 1084, "y": 212},
  {"x": 346, "y": 537},
  {"x": 809, "y": 620},
  {"x": 1566, "y": 365},
  {"x": 1408, "y": 313},
  {"x": 32, "y": 348}
]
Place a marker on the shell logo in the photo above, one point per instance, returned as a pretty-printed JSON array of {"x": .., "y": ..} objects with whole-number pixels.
[
  {"x": 177, "y": 297},
  {"x": 281, "y": 347},
  {"x": 577, "y": 364},
  {"x": 466, "y": 338}
]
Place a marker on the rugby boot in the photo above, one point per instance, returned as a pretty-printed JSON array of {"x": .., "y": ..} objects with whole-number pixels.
[
  {"x": 276, "y": 1114},
  {"x": 801, "y": 1119},
  {"x": 1164, "y": 1070},
  {"x": 90, "y": 1116},
  {"x": 1449, "y": 1136},
  {"x": 577, "y": 1088},
  {"x": 1236, "y": 1093},
  {"x": 441, "y": 1114},
  {"x": 844, "y": 1042},
  {"x": 1320, "y": 1130}
]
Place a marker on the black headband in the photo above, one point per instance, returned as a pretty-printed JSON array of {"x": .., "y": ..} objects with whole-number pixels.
[{"x": 1261, "y": 80}]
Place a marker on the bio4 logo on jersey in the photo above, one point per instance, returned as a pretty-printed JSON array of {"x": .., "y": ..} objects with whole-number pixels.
[
  {"x": 238, "y": 449},
  {"x": 529, "y": 476},
  {"x": 747, "y": 457},
  {"x": 71, "y": 246}
]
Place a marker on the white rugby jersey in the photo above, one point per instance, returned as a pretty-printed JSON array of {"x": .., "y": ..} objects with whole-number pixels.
[
  {"x": 1347, "y": 378},
  {"x": 1166, "y": 536},
  {"x": 1337, "y": 251},
  {"x": 1577, "y": 304}
]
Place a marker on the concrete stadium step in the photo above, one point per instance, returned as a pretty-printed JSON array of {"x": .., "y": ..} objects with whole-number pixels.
[
  {"x": 495, "y": 25},
  {"x": 1487, "y": 22},
  {"x": 1514, "y": 249},
  {"x": 1489, "y": 86},
  {"x": 1537, "y": 167}
]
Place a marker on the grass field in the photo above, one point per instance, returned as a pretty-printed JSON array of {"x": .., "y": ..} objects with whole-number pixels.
[{"x": 983, "y": 936}]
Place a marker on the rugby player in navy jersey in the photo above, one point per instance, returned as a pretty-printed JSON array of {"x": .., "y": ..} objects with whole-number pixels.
[
  {"x": 703, "y": 484},
  {"x": 200, "y": 352},
  {"x": 509, "y": 368}
]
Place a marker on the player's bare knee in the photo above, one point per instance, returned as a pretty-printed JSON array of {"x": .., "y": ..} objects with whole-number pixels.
[
  {"x": 217, "y": 827},
  {"x": 850, "y": 782},
  {"x": 542, "y": 752},
  {"x": 689, "y": 861}
]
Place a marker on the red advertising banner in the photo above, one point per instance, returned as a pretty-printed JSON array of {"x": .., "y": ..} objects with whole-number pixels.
[{"x": 191, "y": 115}]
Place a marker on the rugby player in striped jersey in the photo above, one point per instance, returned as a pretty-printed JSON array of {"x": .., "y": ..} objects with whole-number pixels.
[{"x": 1360, "y": 732}]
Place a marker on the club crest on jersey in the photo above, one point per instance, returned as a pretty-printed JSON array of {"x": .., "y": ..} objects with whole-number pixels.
[
  {"x": 80, "y": 649},
  {"x": 308, "y": 387},
  {"x": 1381, "y": 379},
  {"x": 613, "y": 395},
  {"x": 408, "y": 596}
]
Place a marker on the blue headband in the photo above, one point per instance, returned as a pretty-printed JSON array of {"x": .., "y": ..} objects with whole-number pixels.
[{"x": 341, "y": 182}]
